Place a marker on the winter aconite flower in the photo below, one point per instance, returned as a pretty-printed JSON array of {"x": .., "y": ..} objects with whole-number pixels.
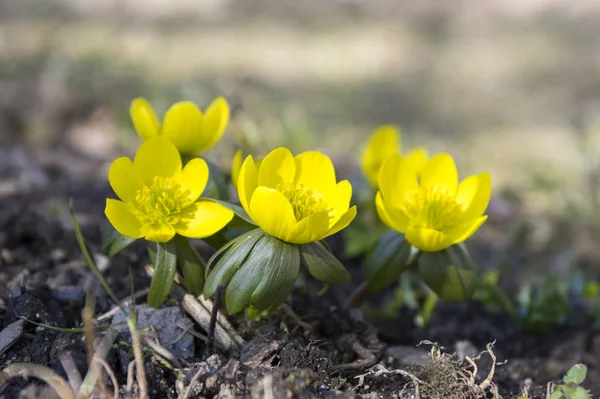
[
  {"x": 383, "y": 143},
  {"x": 236, "y": 165},
  {"x": 296, "y": 199},
  {"x": 184, "y": 124},
  {"x": 158, "y": 198},
  {"x": 295, "y": 202},
  {"x": 433, "y": 210}
]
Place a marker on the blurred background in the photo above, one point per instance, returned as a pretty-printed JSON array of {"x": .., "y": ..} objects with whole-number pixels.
[{"x": 509, "y": 87}]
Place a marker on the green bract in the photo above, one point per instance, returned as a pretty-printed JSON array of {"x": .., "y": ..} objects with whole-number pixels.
[
  {"x": 450, "y": 273},
  {"x": 391, "y": 256},
  {"x": 260, "y": 270}
]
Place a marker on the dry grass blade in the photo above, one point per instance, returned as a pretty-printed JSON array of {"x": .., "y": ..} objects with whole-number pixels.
[
  {"x": 71, "y": 370},
  {"x": 139, "y": 357},
  {"x": 161, "y": 351},
  {"x": 87, "y": 387},
  {"x": 87, "y": 315},
  {"x": 129, "y": 387},
  {"x": 116, "y": 309},
  {"x": 113, "y": 377},
  {"x": 56, "y": 382}
]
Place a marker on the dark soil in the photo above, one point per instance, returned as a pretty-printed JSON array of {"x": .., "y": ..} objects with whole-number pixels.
[{"x": 44, "y": 279}]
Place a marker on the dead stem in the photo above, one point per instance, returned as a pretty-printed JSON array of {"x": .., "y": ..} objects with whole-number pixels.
[
  {"x": 358, "y": 296},
  {"x": 208, "y": 349},
  {"x": 116, "y": 309}
]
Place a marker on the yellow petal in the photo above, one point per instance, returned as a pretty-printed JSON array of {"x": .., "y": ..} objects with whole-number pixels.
[
  {"x": 157, "y": 157},
  {"x": 203, "y": 219},
  {"x": 340, "y": 200},
  {"x": 463, "y": 231},
  {"x": 123, "y": 220},
  {"x": 417, "y": 158},
  {"x": 122, "y": 179},
  {"x": 394, "y": 219},
  {"x": 343, "y": 222},
  {"x": 144, "y": 118},
  {"x": 183, "y": 126},
  {"x": 160, "y": 233},
  {"x": 216, "y": 120},
  {"x": 315, "y": 171},
  {"x": 277, "y": 167},
  {"x": 194, "y": 177},
  {"x": 396, "y": 179},
  {"x": 272, "y": 212},
  {"x": 473, "y": 195},
  {"x": 311, "y": 228},
  {"x": 440, "y": 170},
  {"x": 247, "y": 182},
  {"x": 236, "y": 165},
  {"x": 384, "y": 142},
  {"x": 428, "y": 240}
]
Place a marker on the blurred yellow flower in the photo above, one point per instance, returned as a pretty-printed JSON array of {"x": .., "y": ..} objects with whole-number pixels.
[
  {"x": 159, "y": 199},
  {"x": 184, "y": 124},
  {"x": 433, "y": 210},
  {"x": 383, "y": 143},
  {"x": 295, "y": 199}
]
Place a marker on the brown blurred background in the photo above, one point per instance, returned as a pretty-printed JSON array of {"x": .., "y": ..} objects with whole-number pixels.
[{"x": 511, "y": 87}]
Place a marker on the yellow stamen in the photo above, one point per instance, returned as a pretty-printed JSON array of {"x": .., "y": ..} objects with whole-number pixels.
[
  {"x": 305, "y": 201},
  {"x": 163, "y": 202},
  {"x": 432, "y": 207}
]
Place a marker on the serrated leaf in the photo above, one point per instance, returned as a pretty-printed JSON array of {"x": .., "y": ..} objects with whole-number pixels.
[
  {"x": 165, "y": 266},
  {"x": 322, "y": 265},
  {"x": 576, "y": 374},
  {"x": 449, "y": 273},
  {"x": 113, "y": 242},
  {"x": 581, "y": 393},
  {"x": 391, "y": 256}
]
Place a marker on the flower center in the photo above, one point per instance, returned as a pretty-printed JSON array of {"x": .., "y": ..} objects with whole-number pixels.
[
  {"x": 305, "y": 201},
  {"x": 162, "y": 202},
  {"x": 432, "y": 207}
]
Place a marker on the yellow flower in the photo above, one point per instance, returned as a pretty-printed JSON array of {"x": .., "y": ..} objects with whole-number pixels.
[
  {"x": 236, "y": 165},
  {"x": 184, "y": 124},
  {"x": 385, "y": 142},
  {"x": 295, "y": 199},
  {"x": 158, "y": 199},
  {"x": 432, "y": 210}
]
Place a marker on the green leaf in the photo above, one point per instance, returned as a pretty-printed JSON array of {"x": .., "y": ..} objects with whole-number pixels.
[
  {"x": 165, "y": 266},
  {"x": 426, "y": 311},
  {"x": 581, "y": 393},
  {"x": 576, "y": 374},
  {"x": 391, "y": 256},
  {"x": 556, "y": 395},
  {"x": 226, "y": 261},
  {"x": 278, "y": 274},
  {"x": 191, "y": 265},
  {"x": 322, "y": 265},
  {"x": 112, "y": 241},
  {"x": 238, "y": 210},
  {"x": 449, "y": 273},
  {"x": 265, "y": 278}
]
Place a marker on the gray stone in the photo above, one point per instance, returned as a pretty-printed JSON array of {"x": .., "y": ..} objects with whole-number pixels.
[{"x": 170, "y": 323}]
